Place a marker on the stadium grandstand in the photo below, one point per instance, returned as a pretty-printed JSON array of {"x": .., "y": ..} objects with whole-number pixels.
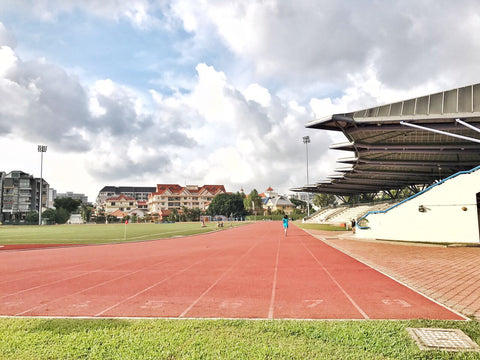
[{"x": 429, "y": 145}]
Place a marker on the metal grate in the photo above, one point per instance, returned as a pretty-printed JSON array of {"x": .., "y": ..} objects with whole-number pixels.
[{"x": 442, "y": 339}]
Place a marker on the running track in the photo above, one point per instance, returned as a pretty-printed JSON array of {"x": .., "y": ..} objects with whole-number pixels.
[{"x": 251, "y": 271}]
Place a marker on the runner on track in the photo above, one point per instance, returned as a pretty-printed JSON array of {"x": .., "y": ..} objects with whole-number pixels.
[{"x": 285, "y": 224}]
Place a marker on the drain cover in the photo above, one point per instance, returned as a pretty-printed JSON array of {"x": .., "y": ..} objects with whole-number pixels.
[{"x": 442, "y": 339}]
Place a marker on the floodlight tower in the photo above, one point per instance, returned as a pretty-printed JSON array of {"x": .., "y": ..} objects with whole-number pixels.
[
  {"x": 41, "y": 150},
  {"x": 306, "y": 141}
]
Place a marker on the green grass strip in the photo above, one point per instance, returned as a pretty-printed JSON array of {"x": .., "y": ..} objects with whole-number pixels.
[
  {"x": 325, "y": 227},
  {"x": 34, "y": 338},
  {"x": 101, "y": 233}
]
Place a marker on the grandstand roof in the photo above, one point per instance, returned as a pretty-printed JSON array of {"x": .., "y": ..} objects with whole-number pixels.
[{"x": 411, "y": 142}]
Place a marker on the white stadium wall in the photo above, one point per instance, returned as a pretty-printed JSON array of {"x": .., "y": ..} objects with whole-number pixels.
[{"x": 450, "y": 214}]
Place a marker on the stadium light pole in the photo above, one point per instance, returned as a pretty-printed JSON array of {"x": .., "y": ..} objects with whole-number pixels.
[
  {"x": 41, "y": 150},
  {"x": 306, "y": 141}
]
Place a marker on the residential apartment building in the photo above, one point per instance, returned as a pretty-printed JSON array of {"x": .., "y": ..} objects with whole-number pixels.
[
  {"x": 52, "y": 193},
  {"x": 139, "y": 193},
  {"x": 2, "y": 176},
  {"x": 171, "y": 196},
  {"x": 69, "y": 194},
  {"x": 20, "y": 194}
]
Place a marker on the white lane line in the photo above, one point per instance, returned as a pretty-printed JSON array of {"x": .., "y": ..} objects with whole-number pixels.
[
  {"x": 337, "y": 283},
  {"x": 91, "y": 287},
  {"x": 37, "y": 273},
  {"x": 382, "y": 271},
  {"x": 217, "y": 281},
  {"x": 155, "y": 284},
  {"x": 82, "y": 273},
  {"x": 274, "y": 286}
]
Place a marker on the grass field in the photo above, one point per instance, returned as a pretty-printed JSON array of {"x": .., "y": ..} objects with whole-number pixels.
[
  {"x": 325, "y": 227},
  {"x": 219, "y": 339},
  {"x": 101, "y": 233}
]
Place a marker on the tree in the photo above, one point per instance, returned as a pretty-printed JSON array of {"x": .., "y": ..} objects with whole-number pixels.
[
  {"x": 111, "y": 219},
  {"x": 99, "y": 216},
  {"x": 174, "y": 216},
  {"x": 299, "y": 204},
  {"x": 191, "y": 214},
  {"x": 69, "y": 204},
  {"x": 61, "y": 216},
  {"x": 32, "y": 217},
  {"x": 49, "y": 214},
  {"x": 134, "y": 218},
  {"x": 227, "y": 205},
  {"x": 323, "y": 200},
  {"x": 86, "y": 212},
  {"x": 253, "y": 201}
]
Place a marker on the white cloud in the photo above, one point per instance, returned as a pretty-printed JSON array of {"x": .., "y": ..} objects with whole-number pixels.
[
  {"x": 240, "y": 122},
  {"x": 364, "y": 90},
  {"x": 6, "y": 38},
  {"x": 239, "y": 140},
  {"x": 8, "y": 60},
  {"x": 258, "y": 93},
  {"x": 139, "y": 13},
  {"x": 311, "y": 45}
]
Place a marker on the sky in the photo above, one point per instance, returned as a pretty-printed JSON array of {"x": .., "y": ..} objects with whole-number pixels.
[{"x": 143, "y": 92}]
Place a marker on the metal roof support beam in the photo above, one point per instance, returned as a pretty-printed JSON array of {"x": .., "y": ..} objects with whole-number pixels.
[
  {"x": 399, "y": 174},
  {"x": 440, "y": 132},
  {"x": 468, "y": 125},
  {"x": 409, "y": 150},
  {"x": 418, "y": 163},
  {"x": 383, "y": 127},
  {"x": 403, "y": 147}
]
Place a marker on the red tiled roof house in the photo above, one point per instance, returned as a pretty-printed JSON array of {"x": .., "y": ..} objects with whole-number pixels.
[
  {"x": 121, "y": 202},
  {"x": 172, "y": 196}
]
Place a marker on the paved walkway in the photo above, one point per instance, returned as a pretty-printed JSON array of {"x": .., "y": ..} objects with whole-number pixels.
[{"x": 449, "y": 275}]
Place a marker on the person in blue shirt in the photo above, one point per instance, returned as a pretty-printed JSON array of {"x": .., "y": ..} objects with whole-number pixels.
[{"x": 285, "y": 224}]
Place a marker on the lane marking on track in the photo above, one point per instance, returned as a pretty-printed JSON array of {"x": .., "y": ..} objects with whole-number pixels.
[
  {"x": 81, "y": 273},
  {"x": 396, "y": 302},
  {"x": 274, "y": 286},
  {"x": 217, "y": 281},
  {"x": 363, "y": 313},
  {"x": 312, "y": 303},
  {"x": 92, "y": 287},
  {"x": 154, "y": 304},
  {"x": 232, "y": 304},
  {"x": 383, "y": 272},
  {"x": 155, "y": 284}
]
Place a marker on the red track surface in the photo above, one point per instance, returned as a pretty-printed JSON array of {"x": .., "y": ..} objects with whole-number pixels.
[{"x": 247, "y": 272}]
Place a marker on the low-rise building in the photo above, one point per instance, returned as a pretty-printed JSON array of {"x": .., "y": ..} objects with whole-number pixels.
[
  {"x": 172, "y": 196},
  {"x": 139, "y": 193},
  {"x": 121, "y": 202},
  {"x": 273, "y": 202},
  {"x": 69, "y": 194}
]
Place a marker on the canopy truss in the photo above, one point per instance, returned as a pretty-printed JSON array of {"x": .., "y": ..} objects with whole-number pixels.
[{"x": 403, "y": 144}]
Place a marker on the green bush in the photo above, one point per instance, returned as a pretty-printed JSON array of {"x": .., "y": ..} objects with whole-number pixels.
[{"x": 31, "y": 218}]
